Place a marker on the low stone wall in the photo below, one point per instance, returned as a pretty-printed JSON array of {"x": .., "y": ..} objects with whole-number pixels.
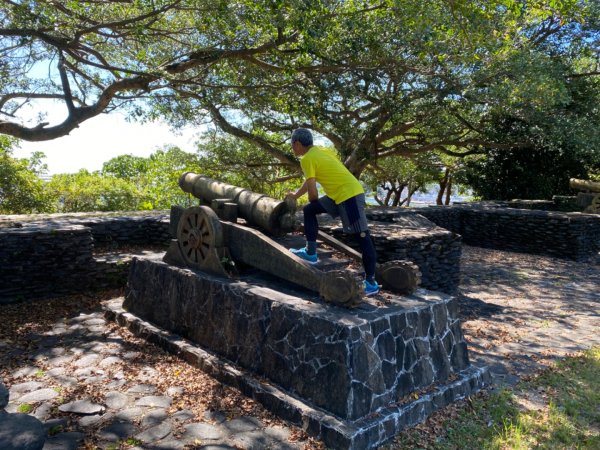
[
  {"x": 573, "y": 236},
  {"x": 123, "y": 230},
  {"x": 43, "y": 261},
  {"x": 54, "y": 257}
]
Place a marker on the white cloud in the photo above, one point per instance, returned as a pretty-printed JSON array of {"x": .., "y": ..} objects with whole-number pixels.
[{"x": 103, "y": 137}]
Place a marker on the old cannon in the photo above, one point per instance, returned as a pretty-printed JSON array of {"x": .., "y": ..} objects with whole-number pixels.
[
  {"x": 213, "y": 240},
  {"x": 590, "y": 198}
]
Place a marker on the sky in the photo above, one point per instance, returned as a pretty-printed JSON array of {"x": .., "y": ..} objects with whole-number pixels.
[{"x": 103, "y": 137}]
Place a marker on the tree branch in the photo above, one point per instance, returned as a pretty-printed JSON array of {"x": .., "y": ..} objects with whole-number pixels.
[
  {"x": 249, "y": 137},
  {"x": 77, "y": 115}
]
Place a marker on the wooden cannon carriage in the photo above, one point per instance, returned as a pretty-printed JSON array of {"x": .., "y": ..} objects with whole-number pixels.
[{"x": 212, "y": 238}]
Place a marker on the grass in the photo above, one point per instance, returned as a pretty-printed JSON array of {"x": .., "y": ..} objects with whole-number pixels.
[
  {"x": 24, "y": 408},
  {"x": 558, "y": 409}
]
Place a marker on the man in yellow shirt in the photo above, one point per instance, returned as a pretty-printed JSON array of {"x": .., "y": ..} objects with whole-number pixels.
[{"x": 344, "y": 197}]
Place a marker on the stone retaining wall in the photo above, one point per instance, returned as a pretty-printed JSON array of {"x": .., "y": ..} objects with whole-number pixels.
[
  {"x": 573, "y": 236},
  {"x": 56, "y": 257},
  {"x": 43, "y": 261},
  {"x": 122, "y": 230}
]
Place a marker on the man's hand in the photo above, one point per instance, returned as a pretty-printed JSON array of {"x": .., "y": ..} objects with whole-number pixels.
[{"x": 291, "y": 195}]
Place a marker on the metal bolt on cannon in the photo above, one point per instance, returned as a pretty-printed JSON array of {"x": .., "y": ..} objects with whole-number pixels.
[{"x": 213, "y": 238}]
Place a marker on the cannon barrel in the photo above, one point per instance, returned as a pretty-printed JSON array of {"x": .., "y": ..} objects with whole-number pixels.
[
  {"x": 273, "y": 216},
  {"x": 584, "y": 185}
]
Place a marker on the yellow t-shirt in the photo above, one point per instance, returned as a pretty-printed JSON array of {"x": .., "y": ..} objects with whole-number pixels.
[{"x": 323, "y": 164}]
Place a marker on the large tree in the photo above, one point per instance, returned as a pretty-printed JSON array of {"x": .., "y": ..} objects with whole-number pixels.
[
  {"x": 377, "y": 78},
  {"x": 400, "y": 78},
  {"x": 94, "y": 56}
]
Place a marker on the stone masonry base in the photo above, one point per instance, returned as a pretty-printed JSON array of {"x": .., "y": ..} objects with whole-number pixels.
[{"x": 365, "y": 433}]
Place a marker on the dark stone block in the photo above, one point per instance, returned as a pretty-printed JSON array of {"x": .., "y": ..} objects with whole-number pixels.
[
  {"x": 440, "y": 318},
  {"x": 448, "y": 342},
  {"x": 389, "y": 374},
  {"x": 360, "y": 361},
  {"x": 335, "y": 396},
  {"x": 363, "y": 396},
  {"x": 385, "y": 346},
  {"x": 423, "y": 373},
  {"x": 400, "y": 349},
  {"x": 21, "y": 432},
  {"x": 410, "y": 356},
  {"x": 379, "y": 326},
  {"x": 3, "y": 395},
  {"x": 412, "y": 321},
  {"x": 333, "y": 438},
  {"x": 397, "y": 324},
  {"x": 422, "y": 347},
  {"x": 423, "y": 322},
  {"x": 452, "y": 308},
  {"x": 459, "y": 356},
  {"x": 405, "y": 385},
  {"x": 440, "y": 360}
]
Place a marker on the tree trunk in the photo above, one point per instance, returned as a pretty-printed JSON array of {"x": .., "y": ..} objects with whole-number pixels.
[
  {"x": 443, "y": 184},
  {"x": 448, "y": 190}
]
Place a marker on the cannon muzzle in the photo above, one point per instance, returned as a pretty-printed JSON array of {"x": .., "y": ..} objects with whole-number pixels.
[
  {"x": 273, "y": 216},
  {"x": 584, "y": 185}
]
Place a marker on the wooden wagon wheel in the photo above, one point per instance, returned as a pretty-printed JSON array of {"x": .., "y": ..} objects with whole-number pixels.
[{"x": 199, "y": 234}]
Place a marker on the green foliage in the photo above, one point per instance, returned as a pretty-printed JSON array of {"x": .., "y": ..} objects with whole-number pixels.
[
  {"x": 21, "y": 188},
  {"x": 160, "y": 182},
  {"x": 127, "y": 183},
  {"x": 385, "y": 79},
  {"x": 85, "y": 191},
  {"x": 551, "y": 149},
  {"x": 395, "y": 176},
  {"x": 524, "y": 173},
  {"x": 378, "y": 79},
  {"x": 25, "y": 408},
  {"x": 243, "y": 164},
  {"x": 128, "y": 167}
]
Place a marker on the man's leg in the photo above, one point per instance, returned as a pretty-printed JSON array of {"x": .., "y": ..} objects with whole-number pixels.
[
  {"x": 311, "y": 225},
  {"x": 311, "y": 230},
  {"x": 369, "y": 255},
  {"x": 354, "y": 221}
]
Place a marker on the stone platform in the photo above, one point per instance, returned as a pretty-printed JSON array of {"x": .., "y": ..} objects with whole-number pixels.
[{"x": 352, "y": 378}]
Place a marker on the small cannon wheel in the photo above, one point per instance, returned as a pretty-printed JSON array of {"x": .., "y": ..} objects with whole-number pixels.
[
  {"x": 199, "y": 233},
  {"x": 341, "y": 288},
  {"x": 399, "y": 276}
]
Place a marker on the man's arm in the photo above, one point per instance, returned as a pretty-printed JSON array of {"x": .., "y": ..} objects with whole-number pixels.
[{"x": 310, "y": 186}]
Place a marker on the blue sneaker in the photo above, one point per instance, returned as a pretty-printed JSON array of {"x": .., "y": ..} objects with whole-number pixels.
[
  {"x": 301, "y": 253},
  {"x": 370, "y": 288}
]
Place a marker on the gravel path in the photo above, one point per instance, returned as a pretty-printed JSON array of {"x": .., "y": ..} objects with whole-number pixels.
[{"x": 95, "y": 385}]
